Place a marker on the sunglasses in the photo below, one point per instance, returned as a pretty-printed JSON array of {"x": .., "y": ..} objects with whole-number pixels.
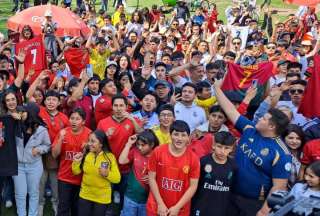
[
  {"x": 293, "y": 91},
  {"x": 271, "y": 47},
  {"x": 236, "y": 43}
]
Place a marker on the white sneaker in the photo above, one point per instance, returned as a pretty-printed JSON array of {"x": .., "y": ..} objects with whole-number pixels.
[
  {"x": 8, "y": 204},
  {"x": 40, "y": 210},
  {"x": 55, "y": 209}
]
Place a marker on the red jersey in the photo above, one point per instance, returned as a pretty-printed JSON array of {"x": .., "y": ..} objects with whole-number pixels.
[
  {"x": 86, "y": 103},
  {"x": 202, "y": 146},
  {"x": 54, "y": 123},
  {"x": 103, "y": 108},
  {"x": 311, "y": 152},
  {"x": 139, "y": 164},
  {"x": 71, "y": 145},
  {"x": 173, "y": 176},
  {"x": 35, "y": 55},
  {"x": 118, "y": 134}
]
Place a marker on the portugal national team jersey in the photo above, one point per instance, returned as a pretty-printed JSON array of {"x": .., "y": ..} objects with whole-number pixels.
[
  {"x": 35, "y": 55},
  {"x": 71, "y": 145},
  {"x": 173, "y": 176}
]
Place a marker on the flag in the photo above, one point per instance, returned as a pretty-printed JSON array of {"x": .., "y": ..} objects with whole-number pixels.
[
  {"x": 303, "y": 2},
  {"x": 310, "y": 104},
  {"x": 35, "y": 56},
  {"x": 77, "y": 60},
  {"x": 239, "y": 79}
]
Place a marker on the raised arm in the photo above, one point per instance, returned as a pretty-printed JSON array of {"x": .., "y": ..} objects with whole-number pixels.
[{"x": 226, "y": 105}]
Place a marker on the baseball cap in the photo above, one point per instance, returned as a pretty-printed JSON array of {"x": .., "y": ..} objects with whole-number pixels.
[
  {"x": 163, "y": 83},
  {"x": 109, "y": 63}
]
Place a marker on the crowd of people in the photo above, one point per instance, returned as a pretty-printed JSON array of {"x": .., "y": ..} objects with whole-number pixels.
[{"x": 148, "y": 126}]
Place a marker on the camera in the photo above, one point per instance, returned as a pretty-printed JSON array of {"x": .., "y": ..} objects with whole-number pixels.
[{"x": 284, "y": 204}]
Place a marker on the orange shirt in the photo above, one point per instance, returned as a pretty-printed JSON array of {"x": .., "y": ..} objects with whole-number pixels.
[
  {"x": 173, "y": 176},
  {"x": 71, "y": 145}
]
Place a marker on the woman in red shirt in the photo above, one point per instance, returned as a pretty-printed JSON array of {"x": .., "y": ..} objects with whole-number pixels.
[{"x": 68, "y": 143}]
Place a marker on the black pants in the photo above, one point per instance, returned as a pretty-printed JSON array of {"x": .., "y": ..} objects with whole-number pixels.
[
  {"x": 68, "y": 195},
  {"x": 89, "y": 208},
  {"x": 242, "y": 206},
  {"x": 2, "y": 179}
]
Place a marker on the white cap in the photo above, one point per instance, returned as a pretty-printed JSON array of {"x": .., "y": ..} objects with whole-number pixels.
[{"x": 48, "y": 13}]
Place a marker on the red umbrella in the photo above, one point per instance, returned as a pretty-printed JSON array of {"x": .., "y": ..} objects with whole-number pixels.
[
  {"x": 68, "y": 23},
  {"x": 303, "y": 2}
]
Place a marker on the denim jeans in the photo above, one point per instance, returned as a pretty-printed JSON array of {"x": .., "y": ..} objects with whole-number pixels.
[
  {"x": 131, "y": 208},
  {"x": 50, "y": 174},
  {"x": 27, "y": 182}
]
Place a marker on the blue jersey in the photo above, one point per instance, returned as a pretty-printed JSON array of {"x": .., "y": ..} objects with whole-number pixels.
[{"x": 259, "y": 159}]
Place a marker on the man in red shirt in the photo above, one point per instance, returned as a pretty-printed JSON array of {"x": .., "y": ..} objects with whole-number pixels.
[
  {"x": 55, "y": 122},
  {"x": 173, "y": 174},
  {"x": 311, "y": 153},
  {"x": 119, "y": 127},
  {"x": 103, "y": 108}
]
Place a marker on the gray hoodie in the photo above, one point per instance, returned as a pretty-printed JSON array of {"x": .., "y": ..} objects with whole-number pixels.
[{"x": 39, "y": 140}]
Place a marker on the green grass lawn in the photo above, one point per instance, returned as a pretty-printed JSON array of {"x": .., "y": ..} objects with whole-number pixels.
[{"x": 7, "y": 5}]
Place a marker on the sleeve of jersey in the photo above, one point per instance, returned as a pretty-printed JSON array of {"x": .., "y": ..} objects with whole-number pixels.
[
  {"x": 152, "y": 161},
  {"x": 242, "y": 122},
  {"x": 281, "y": 169},
  {"x": 306, "y": 158},
  {"x": 195, "y": 167}
]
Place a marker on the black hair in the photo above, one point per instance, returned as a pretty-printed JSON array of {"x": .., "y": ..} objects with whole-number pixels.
[
  {"x": 103, "y": 139},
  {"x": 128, "y": 60},
  {"x": 73, "y": 82},
  {"x": 299, "y": 82},
  {"x": 294, "y": 65},
  {"x": 42, "y": 93},
  {"x": 118, "y": 84},
  {"x": 4, "y": 57},
  {"x": 168, "y": 107},
  {"x": 217, "y": 108},
  {"x": 119, "y": 96},
  {"x": 52, "y": 93},
  {"x": 201, "y": 85},
  {"x": 315, "y": 168},
  {"x": 104, "y": 82},
  {"x": 230, "y": 53},
  {"x": 166, "y": 55},
  {"x": 280, "y": 120},
  {"x": 6, "y": 93},
  {"x": 224, "y": 138},
  {"x": 101, "y": 40},
  {"x": 148, "y": 137},
  {"x": 52, "y": 62},
  {"x": 160, "y": 64},
  {"x": 95, "y": 77},
  {"x": 189, "y": 84},
  {"x": 212, "y": 65},
  {"x": 80, "y": 111},
  {"x": 180, "y": 126},
  {"x": 297, "y": 130},
  {"x": 153, "y": 95},
  {"x": 33, "y": 120}
]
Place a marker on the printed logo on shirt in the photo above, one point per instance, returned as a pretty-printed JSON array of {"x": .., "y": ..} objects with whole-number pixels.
[
  {"x": 101, "y": 100},
  {"x": 70, "y": 155},
  {"x": 186, "y": 169},
  {"x": 171, "y": 184},
  {"x": 208, "y": 168},
  {"x": 287, "y": 166},
  {"x": 110, "y": 131},
  {"x": 264, "y": 152},
  {"x": 217, "y": 186},
  {"x": 127, "y": 126},
  {"x": 251, "y": 140},
  {"x": 230, "y": 175},
  {"x": 251, "y": 154}
]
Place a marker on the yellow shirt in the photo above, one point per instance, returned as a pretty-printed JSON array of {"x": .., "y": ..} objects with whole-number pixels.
[
  {"x": 95, "y": 187},
  {"x": 206, "y": 104},
  {"x": 100, "y": 21},
  {"x": 99, "y": 62},
  {"x": 164, "y": 138}
]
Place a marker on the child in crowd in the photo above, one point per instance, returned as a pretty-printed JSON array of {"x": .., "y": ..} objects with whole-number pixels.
[
  {"x": 217, "y": 173},
  {"x": 100, "y": 170},
  {"x": 311, "y": 186},
  {"x": 137, "y": 187}
]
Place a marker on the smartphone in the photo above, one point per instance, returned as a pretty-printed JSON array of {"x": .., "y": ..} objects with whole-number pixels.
[
  {"x": 104, "y": 165},
  {"x": 254, "y": 83},
  {"x": 89, "y": 70}
]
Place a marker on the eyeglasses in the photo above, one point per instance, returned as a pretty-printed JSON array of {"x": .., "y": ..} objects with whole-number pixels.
[
  {"x": 166, "y": 115},
  {"x": 293, "y": 91},
  {"x": 271, "y": 47}
]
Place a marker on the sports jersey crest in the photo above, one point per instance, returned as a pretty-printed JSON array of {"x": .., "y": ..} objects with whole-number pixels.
[
  {"x": 186, "y": 169},
  {"x": 264, "y": 151}
]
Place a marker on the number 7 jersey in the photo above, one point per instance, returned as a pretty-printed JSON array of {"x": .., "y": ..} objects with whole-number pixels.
[{"x": 35, "y": 55}]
